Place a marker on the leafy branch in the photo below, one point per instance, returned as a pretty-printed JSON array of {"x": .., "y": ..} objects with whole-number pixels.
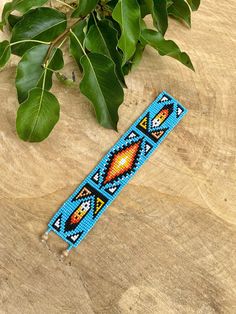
[{"x": 106, "y": 39}]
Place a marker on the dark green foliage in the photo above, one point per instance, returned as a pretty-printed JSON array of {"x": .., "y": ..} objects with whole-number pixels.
[{"x": 106, "y": 38}]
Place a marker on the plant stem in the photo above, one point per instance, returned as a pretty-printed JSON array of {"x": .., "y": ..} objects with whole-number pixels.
[
  {"x": 45, "y": 65},
  {"x": 60, "y": 37},
  {"x": 30, "y": 40}
]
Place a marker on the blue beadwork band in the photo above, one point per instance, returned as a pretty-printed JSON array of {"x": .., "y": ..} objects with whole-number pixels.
[{"x": 84, "y": 207}]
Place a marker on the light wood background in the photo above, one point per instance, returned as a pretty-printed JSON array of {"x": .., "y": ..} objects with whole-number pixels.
[{"x": 168, "y": 242}]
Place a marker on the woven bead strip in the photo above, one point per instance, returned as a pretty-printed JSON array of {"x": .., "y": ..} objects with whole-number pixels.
[{"x": 77, "y": 216}]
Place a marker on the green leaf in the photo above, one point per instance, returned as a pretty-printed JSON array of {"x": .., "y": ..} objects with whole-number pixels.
[
  {"x": 103, "y": 38},
  {"x": 134, "y": 62},
  {"x": 165, "y": 47},
  {"x": 37, "y": 116},
  {"x": 30, "y": 70},
  {"x": 180, "y": 10},
  {"x": 158, "y": 9},
  {"x": 160, "y": 16},
  {"x": 111, "y": 4},
  {"x": 194, "y": 4},
  {"x": 7, "y": 9},
  {"x": 137, "y": 57},
  {"x": 145, "y": 7},
  {"x": 44, "y": 24},
  {"x": 25, "y": 5},
  {"x": 169, "y": 3},
  {"x": 127, "y": 14},
  {"x": 91, "y": 20},
  {"x": 5, "y": 53},
  {"x": 84, "y": 8},
  {"x": 115, "y": 25},
  {"x": 13, "y": 19},
  {"x": 75, "y": 48},
  {"x": 101, "y": 86},
  {"x": 19, "y": 5}
]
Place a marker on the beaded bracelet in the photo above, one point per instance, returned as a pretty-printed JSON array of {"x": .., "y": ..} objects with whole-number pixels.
[{"x": 77, "y": 216}]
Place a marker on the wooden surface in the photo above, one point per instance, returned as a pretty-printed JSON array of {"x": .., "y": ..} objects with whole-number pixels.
[{"x": 168, "y": 242}]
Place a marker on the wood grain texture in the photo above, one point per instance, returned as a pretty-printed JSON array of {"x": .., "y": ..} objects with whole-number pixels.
[{"x": 168, "y": 243}]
